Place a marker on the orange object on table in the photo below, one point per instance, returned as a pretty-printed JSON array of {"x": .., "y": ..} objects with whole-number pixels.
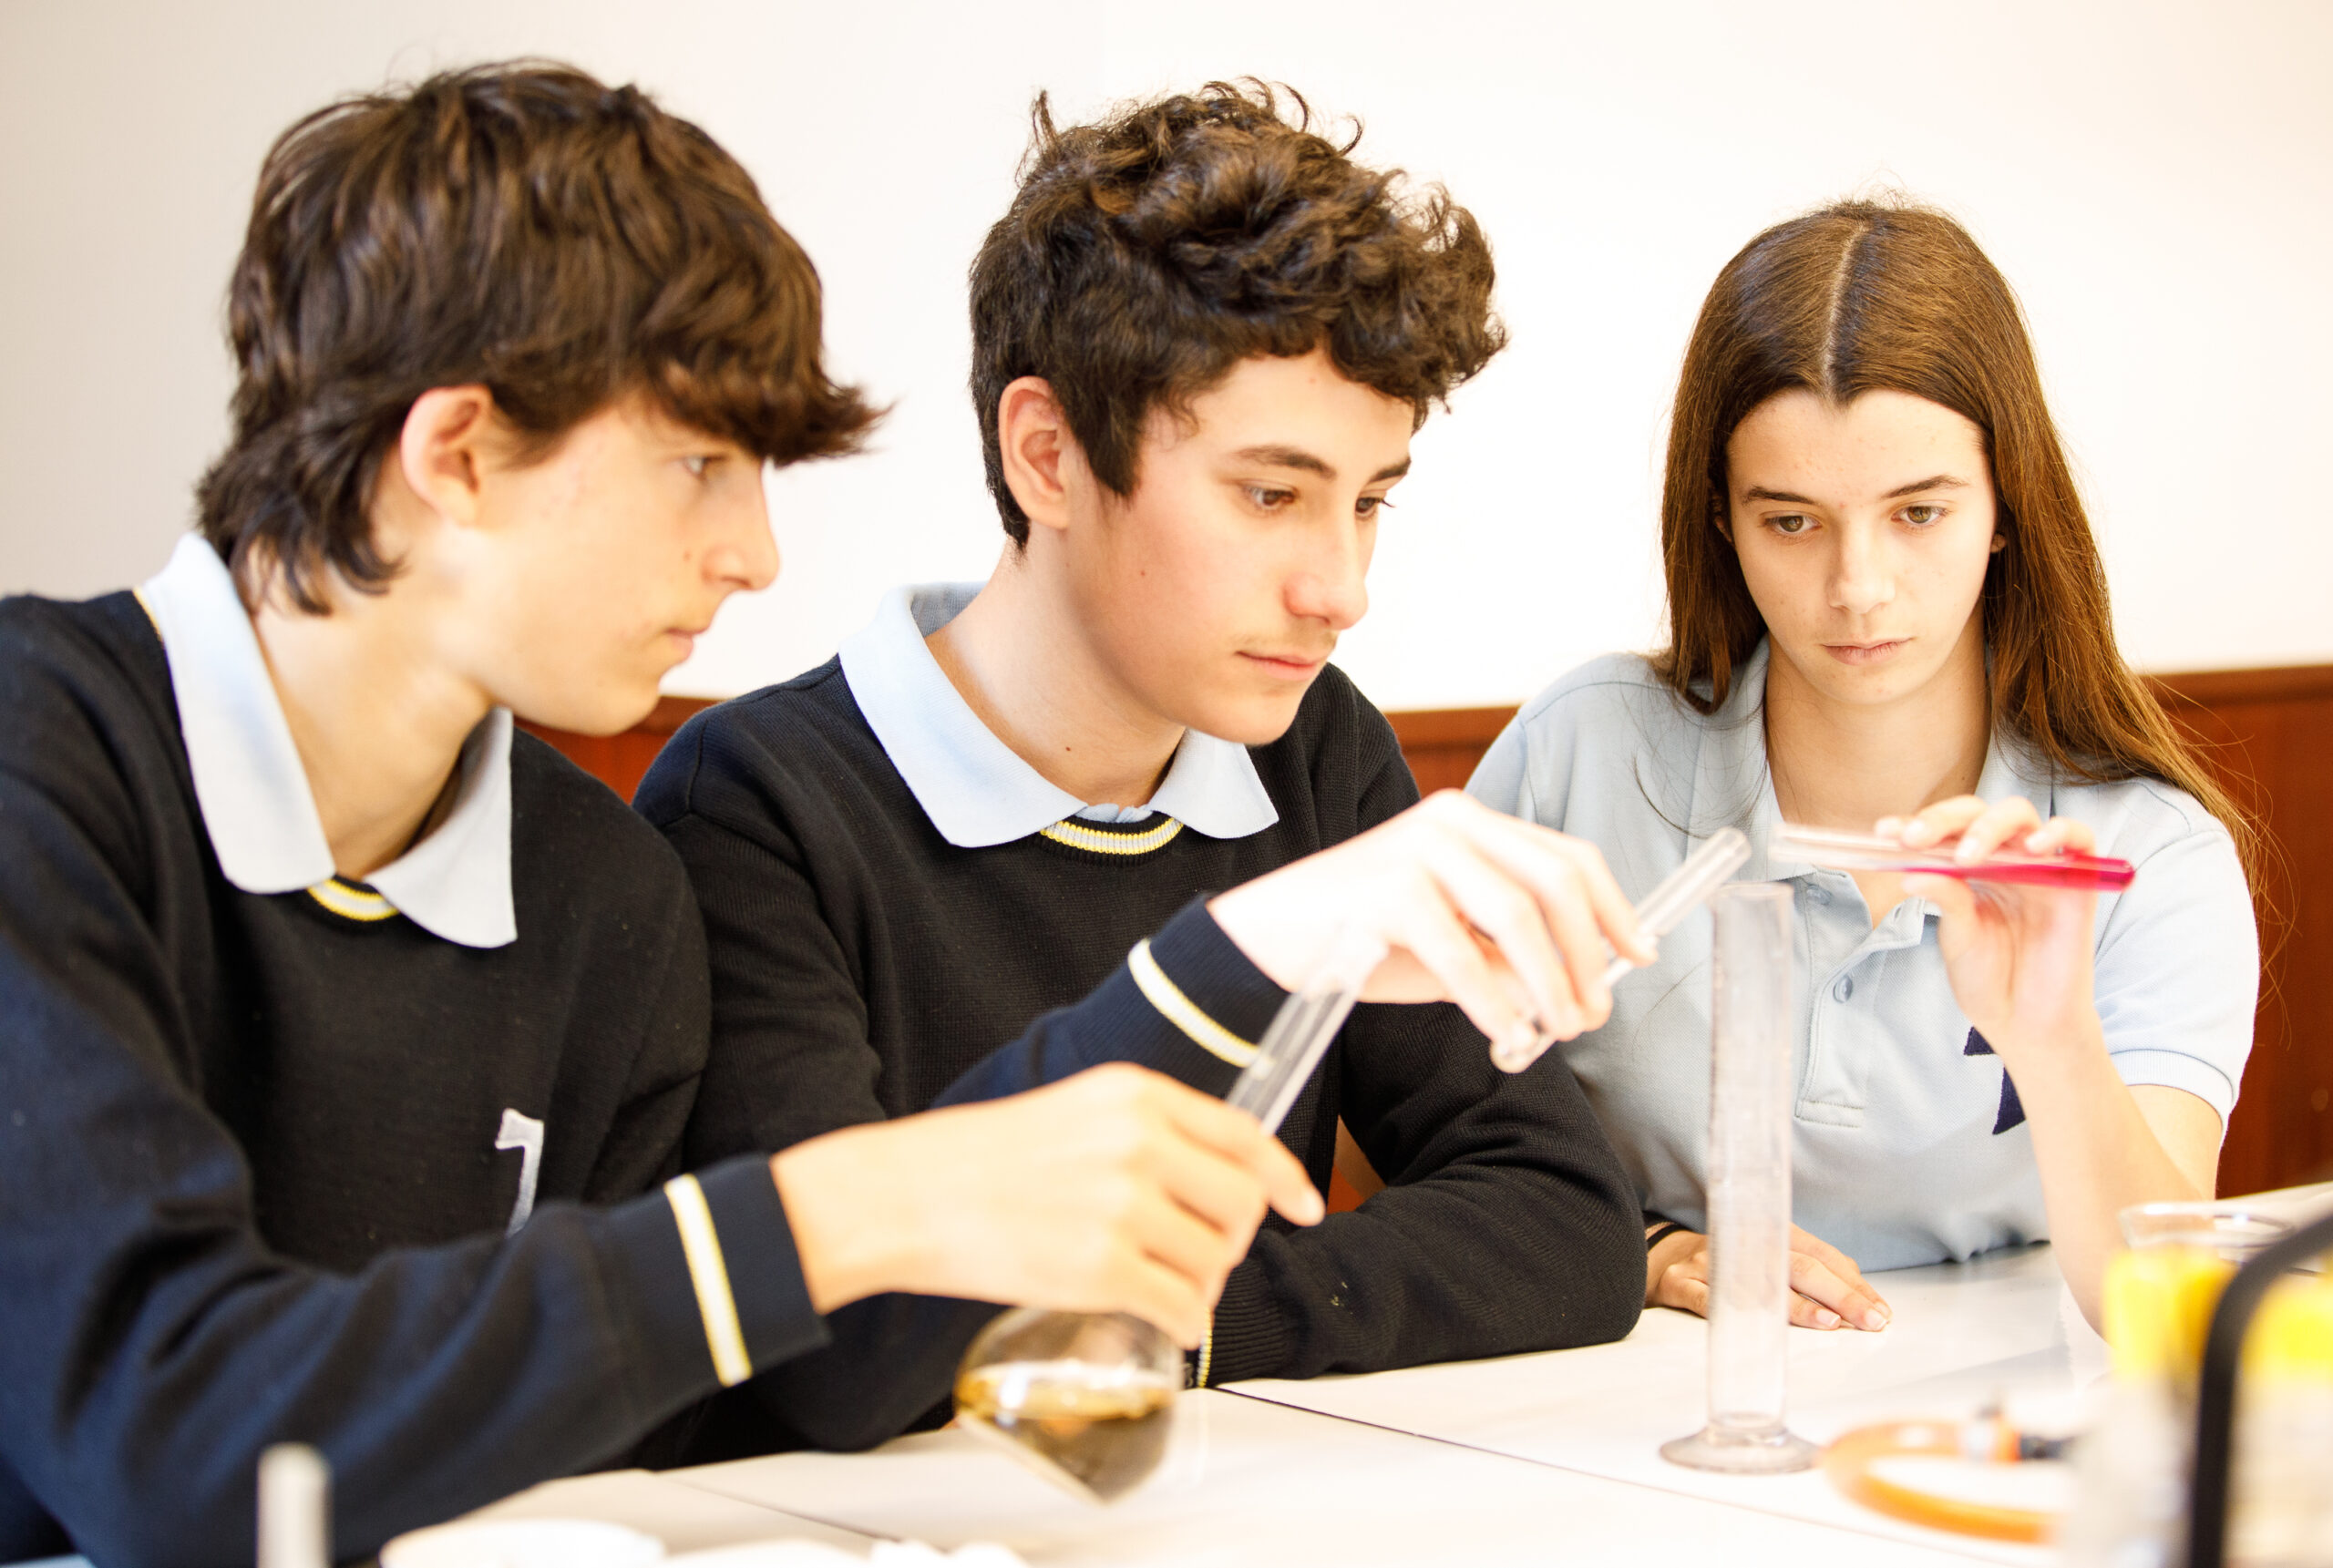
[{"x": 1849, "y": 1463}]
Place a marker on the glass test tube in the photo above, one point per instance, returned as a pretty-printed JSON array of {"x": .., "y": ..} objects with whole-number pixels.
[
  {"x": 1865, "y": 852},
  {"x": 1660, "y": 912},
  {"x": 1686, "y": 889},
  {"x": 1748, "y": 1181},
  {"x": 1302, "y": 1028}
]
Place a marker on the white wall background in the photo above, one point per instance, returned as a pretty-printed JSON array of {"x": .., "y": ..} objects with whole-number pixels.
[{"x": 2156, "y": 179}]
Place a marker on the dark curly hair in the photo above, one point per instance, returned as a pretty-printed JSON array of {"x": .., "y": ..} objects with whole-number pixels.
[
  {"x": 1148, "y": 254},
  {"x": 520, "y": 226}
]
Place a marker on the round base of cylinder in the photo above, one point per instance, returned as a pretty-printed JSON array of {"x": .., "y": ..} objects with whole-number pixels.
[{"x": 1743, "y": 1450}]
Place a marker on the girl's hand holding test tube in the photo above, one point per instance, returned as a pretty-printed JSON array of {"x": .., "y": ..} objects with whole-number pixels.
[
  {"x": 2018, "y": 954},
  {"x": 2019, "y": 957}
]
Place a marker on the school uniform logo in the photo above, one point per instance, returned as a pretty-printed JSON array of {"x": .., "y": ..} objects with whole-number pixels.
[
  {"x": 2012, "y": 1110},
  {"x": 525, "y": 1135}
]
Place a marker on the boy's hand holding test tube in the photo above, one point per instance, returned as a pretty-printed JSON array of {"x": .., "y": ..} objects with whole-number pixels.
[
  {"x": 1164, "y": 1186},
  {"x": 1512, "y": 921}
]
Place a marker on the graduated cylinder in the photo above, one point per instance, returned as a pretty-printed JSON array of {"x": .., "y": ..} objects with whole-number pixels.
[{"x": 1748, "y": 1188}]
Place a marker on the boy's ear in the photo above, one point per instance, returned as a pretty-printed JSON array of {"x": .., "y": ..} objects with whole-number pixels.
[
  {"x": 1040, "y": 456},
  {"x": 443, "y": 448}
]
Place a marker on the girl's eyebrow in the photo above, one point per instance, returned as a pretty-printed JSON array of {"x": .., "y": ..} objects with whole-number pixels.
[{"x": 1934, "y": 482}]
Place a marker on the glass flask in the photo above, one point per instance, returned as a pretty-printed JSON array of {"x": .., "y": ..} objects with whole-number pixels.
[{"x": 1087, "y": 1399}]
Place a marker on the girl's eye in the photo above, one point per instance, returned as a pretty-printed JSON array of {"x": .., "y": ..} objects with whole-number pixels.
[
  {"x": 1921, "y": 517},
  {"x": 1267, "y": 499},
  {"x": 1368, "y": 506},
  {"x": 696, "y": 465},
  {"x": 1791, "y": 524}
]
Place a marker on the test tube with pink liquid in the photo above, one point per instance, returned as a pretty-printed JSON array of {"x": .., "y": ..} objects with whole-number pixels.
[{"x": 1869, "y": 852}]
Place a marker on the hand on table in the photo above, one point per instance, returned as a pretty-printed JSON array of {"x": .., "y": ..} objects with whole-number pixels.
[
  {"x": 2019, "y": 957},
  {"x": 1117, "y": 1190},
  {"x": 1509, "y": 919},
  {"x": 1827, "y": 1291}
]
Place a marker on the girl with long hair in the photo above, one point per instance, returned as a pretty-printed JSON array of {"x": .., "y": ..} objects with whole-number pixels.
[{"x": 1887, "y": 614}]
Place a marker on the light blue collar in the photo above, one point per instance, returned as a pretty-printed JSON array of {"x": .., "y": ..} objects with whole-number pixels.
[
  {"x": 971, "y": 786},
  {"x": 1732, "y": 762},
  {"x": 254, "y": 792}
]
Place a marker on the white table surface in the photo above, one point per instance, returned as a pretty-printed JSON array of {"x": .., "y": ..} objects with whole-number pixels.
[
  {"x": 1962, "y": 1335},
  {"x": 1278, "y": 1486},
  {"x": 2295, "y": 1205},
  {"x": 685, "y": 1518}
]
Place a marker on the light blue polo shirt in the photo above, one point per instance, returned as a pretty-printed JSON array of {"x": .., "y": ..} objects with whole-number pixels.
[{"x": 1908, "y": 1147}]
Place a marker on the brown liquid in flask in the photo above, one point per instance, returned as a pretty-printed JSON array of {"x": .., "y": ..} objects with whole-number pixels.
[
  {"x": 1087, "y": 1399},
  {"x": 1097, "y": 1427}
]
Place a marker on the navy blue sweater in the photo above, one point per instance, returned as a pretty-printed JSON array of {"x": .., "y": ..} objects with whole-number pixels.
[
  {"x": 249, "y": 1186},
  {"x": 861, "y": 962}
]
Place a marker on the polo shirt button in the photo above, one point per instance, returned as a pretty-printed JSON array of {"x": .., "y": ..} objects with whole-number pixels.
[{"x": 1845, "y": 989}]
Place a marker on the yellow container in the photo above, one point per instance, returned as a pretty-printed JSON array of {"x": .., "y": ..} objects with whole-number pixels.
[
  {"x": 2158, "y": 1307},
  {"x": 2291, "y": 1339}
]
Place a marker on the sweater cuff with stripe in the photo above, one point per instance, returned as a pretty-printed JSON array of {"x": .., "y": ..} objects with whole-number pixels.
[
  {"x": 1199, "y": 1005},
  {"x": 718, "y": 1285}
]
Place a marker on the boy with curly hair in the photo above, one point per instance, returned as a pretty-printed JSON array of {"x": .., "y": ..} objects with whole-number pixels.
[{"x": 1202, "y": 338}]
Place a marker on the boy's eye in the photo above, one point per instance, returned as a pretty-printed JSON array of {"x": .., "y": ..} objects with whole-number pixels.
[
  {"x": 696, "y": 464},
  {"x": 1370, "y": 505},
  {"x": 1266, "y": 498}
]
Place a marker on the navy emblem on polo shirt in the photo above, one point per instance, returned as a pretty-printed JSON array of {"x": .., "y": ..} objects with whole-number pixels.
[{"x": 2012, "y": 1112}]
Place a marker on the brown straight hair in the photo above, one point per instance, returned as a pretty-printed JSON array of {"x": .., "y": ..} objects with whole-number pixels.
[
  {"x": 1865, "y": 295},
  {"x": 519, "y": 225}
]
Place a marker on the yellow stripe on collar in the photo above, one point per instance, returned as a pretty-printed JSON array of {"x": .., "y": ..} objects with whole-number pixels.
[
  {"x": 352, "y": 903},
  {"x": 1079, "y": 837},
  {"x": 147, "y": 605},
  {"x": 1184, "y": 1013}
]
